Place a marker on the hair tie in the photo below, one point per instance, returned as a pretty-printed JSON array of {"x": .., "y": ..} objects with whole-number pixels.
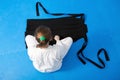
[{"x": 42, "y": 38}]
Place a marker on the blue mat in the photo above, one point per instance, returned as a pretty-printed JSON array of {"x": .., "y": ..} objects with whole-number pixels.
[{"x": 102, "y": 19}]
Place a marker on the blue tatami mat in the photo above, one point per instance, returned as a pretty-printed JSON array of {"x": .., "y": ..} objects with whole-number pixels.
[{"x": 102, "y": 19}]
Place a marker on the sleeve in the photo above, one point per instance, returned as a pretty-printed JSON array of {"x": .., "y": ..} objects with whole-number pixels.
[
  {"x": 31, "y": 54},
  {"x": 63, "y": 47},
  {"x": 31, "y": 44},
  {"x": 31, "y": 41}
]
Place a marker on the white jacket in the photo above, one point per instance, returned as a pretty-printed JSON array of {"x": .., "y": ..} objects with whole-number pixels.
[{"x": 47, "y": 59}]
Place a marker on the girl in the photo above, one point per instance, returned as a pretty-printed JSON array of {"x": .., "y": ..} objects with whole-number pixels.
[{"x": 45, "y": 57}]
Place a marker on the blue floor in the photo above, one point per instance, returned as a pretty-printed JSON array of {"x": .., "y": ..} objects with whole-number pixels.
[{"x": 102, "y": 19}]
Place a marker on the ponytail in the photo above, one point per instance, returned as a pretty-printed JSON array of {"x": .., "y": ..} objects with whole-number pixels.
[{"x": 45, "y": 35}]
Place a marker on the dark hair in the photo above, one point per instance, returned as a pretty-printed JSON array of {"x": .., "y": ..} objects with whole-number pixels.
[{"x": 46, "y": 32}]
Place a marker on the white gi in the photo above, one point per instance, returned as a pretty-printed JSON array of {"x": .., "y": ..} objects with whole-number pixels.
[{"x": 48, "y": 59}]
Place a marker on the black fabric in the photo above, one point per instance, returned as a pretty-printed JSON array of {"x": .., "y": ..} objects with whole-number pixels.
[
  {"x": 67, "y": 26},
  {"x": 81, "y": 56},
  {"x": 72, "y": 25}
]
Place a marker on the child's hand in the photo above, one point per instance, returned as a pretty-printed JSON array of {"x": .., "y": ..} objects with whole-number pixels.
[{"x": 57, "y": 37}]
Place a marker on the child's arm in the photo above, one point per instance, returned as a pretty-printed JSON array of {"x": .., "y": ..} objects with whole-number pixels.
[
  {"x": 63, "y": 45},
  {"x": 31, "y": 41}
]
